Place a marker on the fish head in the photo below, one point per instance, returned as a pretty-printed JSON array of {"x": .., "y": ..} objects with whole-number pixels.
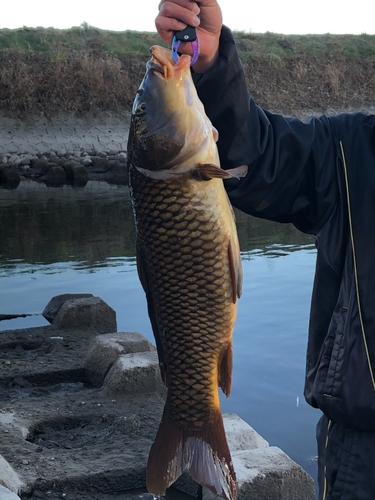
[{"x": 168, "y": 124}]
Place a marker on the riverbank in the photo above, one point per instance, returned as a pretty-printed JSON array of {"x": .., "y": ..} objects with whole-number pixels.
[
  {"x": 81, "y": 406},
  {"x": 66, "y": 95},
  {"x": 64, "y": 149}
]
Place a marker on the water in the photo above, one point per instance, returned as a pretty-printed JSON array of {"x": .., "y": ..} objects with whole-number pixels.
[{"x": 66, "y": 240}]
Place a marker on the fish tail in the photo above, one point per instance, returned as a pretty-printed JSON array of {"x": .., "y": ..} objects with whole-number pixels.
[{"x": 204, "y": 454}]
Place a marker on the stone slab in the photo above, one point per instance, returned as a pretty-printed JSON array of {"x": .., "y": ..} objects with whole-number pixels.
[
  {"x": 86, "y": 313},
  {"x": 6, "y": 494},
  {"x": 39, "y": 135},
  {"x": 54, "y": 305},
  {"x": 9, "y": 479},
  {"x": 134, "y": 373},
  {"x": 106, "y": 348},
  {"x": 240, "y": 435},
  {"x": 268, "y": 474}
]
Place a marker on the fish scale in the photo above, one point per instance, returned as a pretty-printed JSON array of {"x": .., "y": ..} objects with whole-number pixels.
[{"x": 185, "y": 312}]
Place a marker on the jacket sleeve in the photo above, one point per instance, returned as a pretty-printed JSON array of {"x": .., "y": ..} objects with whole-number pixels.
[{"x": 291, "y": 164}]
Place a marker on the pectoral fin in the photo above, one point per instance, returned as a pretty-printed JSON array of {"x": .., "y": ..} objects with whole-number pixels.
[{"x": 208, "y": 171}]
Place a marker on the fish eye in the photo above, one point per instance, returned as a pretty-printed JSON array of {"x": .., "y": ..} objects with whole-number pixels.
[{"x": 141, "y": 109}]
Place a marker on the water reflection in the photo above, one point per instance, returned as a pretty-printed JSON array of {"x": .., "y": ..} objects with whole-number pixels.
[{"x": 70, "y": 240}]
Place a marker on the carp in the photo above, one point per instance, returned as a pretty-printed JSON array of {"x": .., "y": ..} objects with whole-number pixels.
[{"x": 189, "y": 264}]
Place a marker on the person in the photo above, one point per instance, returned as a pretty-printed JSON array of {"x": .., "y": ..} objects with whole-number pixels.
[{"x": 320, "y": 176}]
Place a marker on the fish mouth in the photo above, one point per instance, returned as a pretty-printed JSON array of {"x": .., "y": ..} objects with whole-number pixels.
[{"x": 162, "y": 63}]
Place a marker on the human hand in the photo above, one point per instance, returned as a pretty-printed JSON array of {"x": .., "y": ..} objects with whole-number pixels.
[{"x": 174, "y": 15}]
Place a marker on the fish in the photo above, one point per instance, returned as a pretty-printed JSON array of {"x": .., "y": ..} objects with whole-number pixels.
[{"x": 189, "y": 265}]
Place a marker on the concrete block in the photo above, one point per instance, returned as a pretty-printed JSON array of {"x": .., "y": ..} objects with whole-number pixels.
[
  {"x": 134, "y": 373},
  {"x": 6, "y": 494},
  {"x": 105, "y": 350},
  {"x": 240, "y": 435},
  {"x": 186, "y": 484},
  {"x": 54, "y": 305},
  {"x": 268, "y": 474},
  {"x": 9, "y": 478},
  {"x": 88, "y": 313}
]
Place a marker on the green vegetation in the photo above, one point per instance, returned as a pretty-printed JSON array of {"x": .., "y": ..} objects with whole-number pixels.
[
  {"x": 264, "y": 46},
  {"x": 82, "y": 38},
  {"x": 251, "y": 45}
]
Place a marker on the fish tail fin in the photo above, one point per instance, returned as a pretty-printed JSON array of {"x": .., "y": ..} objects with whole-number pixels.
[{"x": 204, "y": 454}]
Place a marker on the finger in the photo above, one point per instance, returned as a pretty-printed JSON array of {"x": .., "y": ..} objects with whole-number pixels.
[
  {"x": 167, "y": 26},
  {"x": 186, "y": 12},
  {"x": 187, "y": 4}
]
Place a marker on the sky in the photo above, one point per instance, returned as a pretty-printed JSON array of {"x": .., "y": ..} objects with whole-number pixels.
[{"x": 286, "y": 16}]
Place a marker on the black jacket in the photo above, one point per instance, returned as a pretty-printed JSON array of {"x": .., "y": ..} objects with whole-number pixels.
[{"x": 320, "y": 176}]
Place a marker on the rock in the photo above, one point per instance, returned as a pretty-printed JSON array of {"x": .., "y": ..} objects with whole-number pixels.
[
  {"x": 117, "y": 158},
  {"x": 55, "y": 175},
  {"x": 240, "y": 435},
  {"x": 90, "y": 313},
  {"x": 100, "y": 164},
  {"x": 134, "y": 373},
  {"x": 17, "y": 161},
  {"x": 40, "y": 164},
  {"x": 86, "y": 162},
  {"x": 117, "y": 166},
  {"x": 9, "y": 176},
  {"x": 269, "y": 474},
  {"x": 106, "y": 349},
  {"x": 56, "y": 160},
  {"x": 76, "y": 172},
  {"x": 9, "y": 478},
  {"x": 13, "y": 158},
  {"x": 6, "y": 494},
  {"x": 54, "y": 305}
]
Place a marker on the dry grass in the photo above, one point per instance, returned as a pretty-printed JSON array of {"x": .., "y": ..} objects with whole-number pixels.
[
  {"x": 312, "y": 84},
  {"x": 30, "y": 82},
  {"x": 86, "y": 70}
]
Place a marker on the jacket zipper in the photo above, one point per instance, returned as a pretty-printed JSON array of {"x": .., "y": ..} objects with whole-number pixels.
[{"x": 355, "y": 268}]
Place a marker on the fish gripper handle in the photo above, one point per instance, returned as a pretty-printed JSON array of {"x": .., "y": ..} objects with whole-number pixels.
[{"x": 189, "y": 34}]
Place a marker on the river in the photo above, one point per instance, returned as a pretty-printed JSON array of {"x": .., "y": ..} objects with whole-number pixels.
[{"x": 69, "y": 240}]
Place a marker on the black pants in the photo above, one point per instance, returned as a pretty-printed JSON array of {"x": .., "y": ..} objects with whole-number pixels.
[{"x": 346, "y": 462}]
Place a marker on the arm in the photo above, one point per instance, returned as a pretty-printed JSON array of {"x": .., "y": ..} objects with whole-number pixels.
[
  {"x": 292, "y": 164},
  {"x": 291, "y": 176}
]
